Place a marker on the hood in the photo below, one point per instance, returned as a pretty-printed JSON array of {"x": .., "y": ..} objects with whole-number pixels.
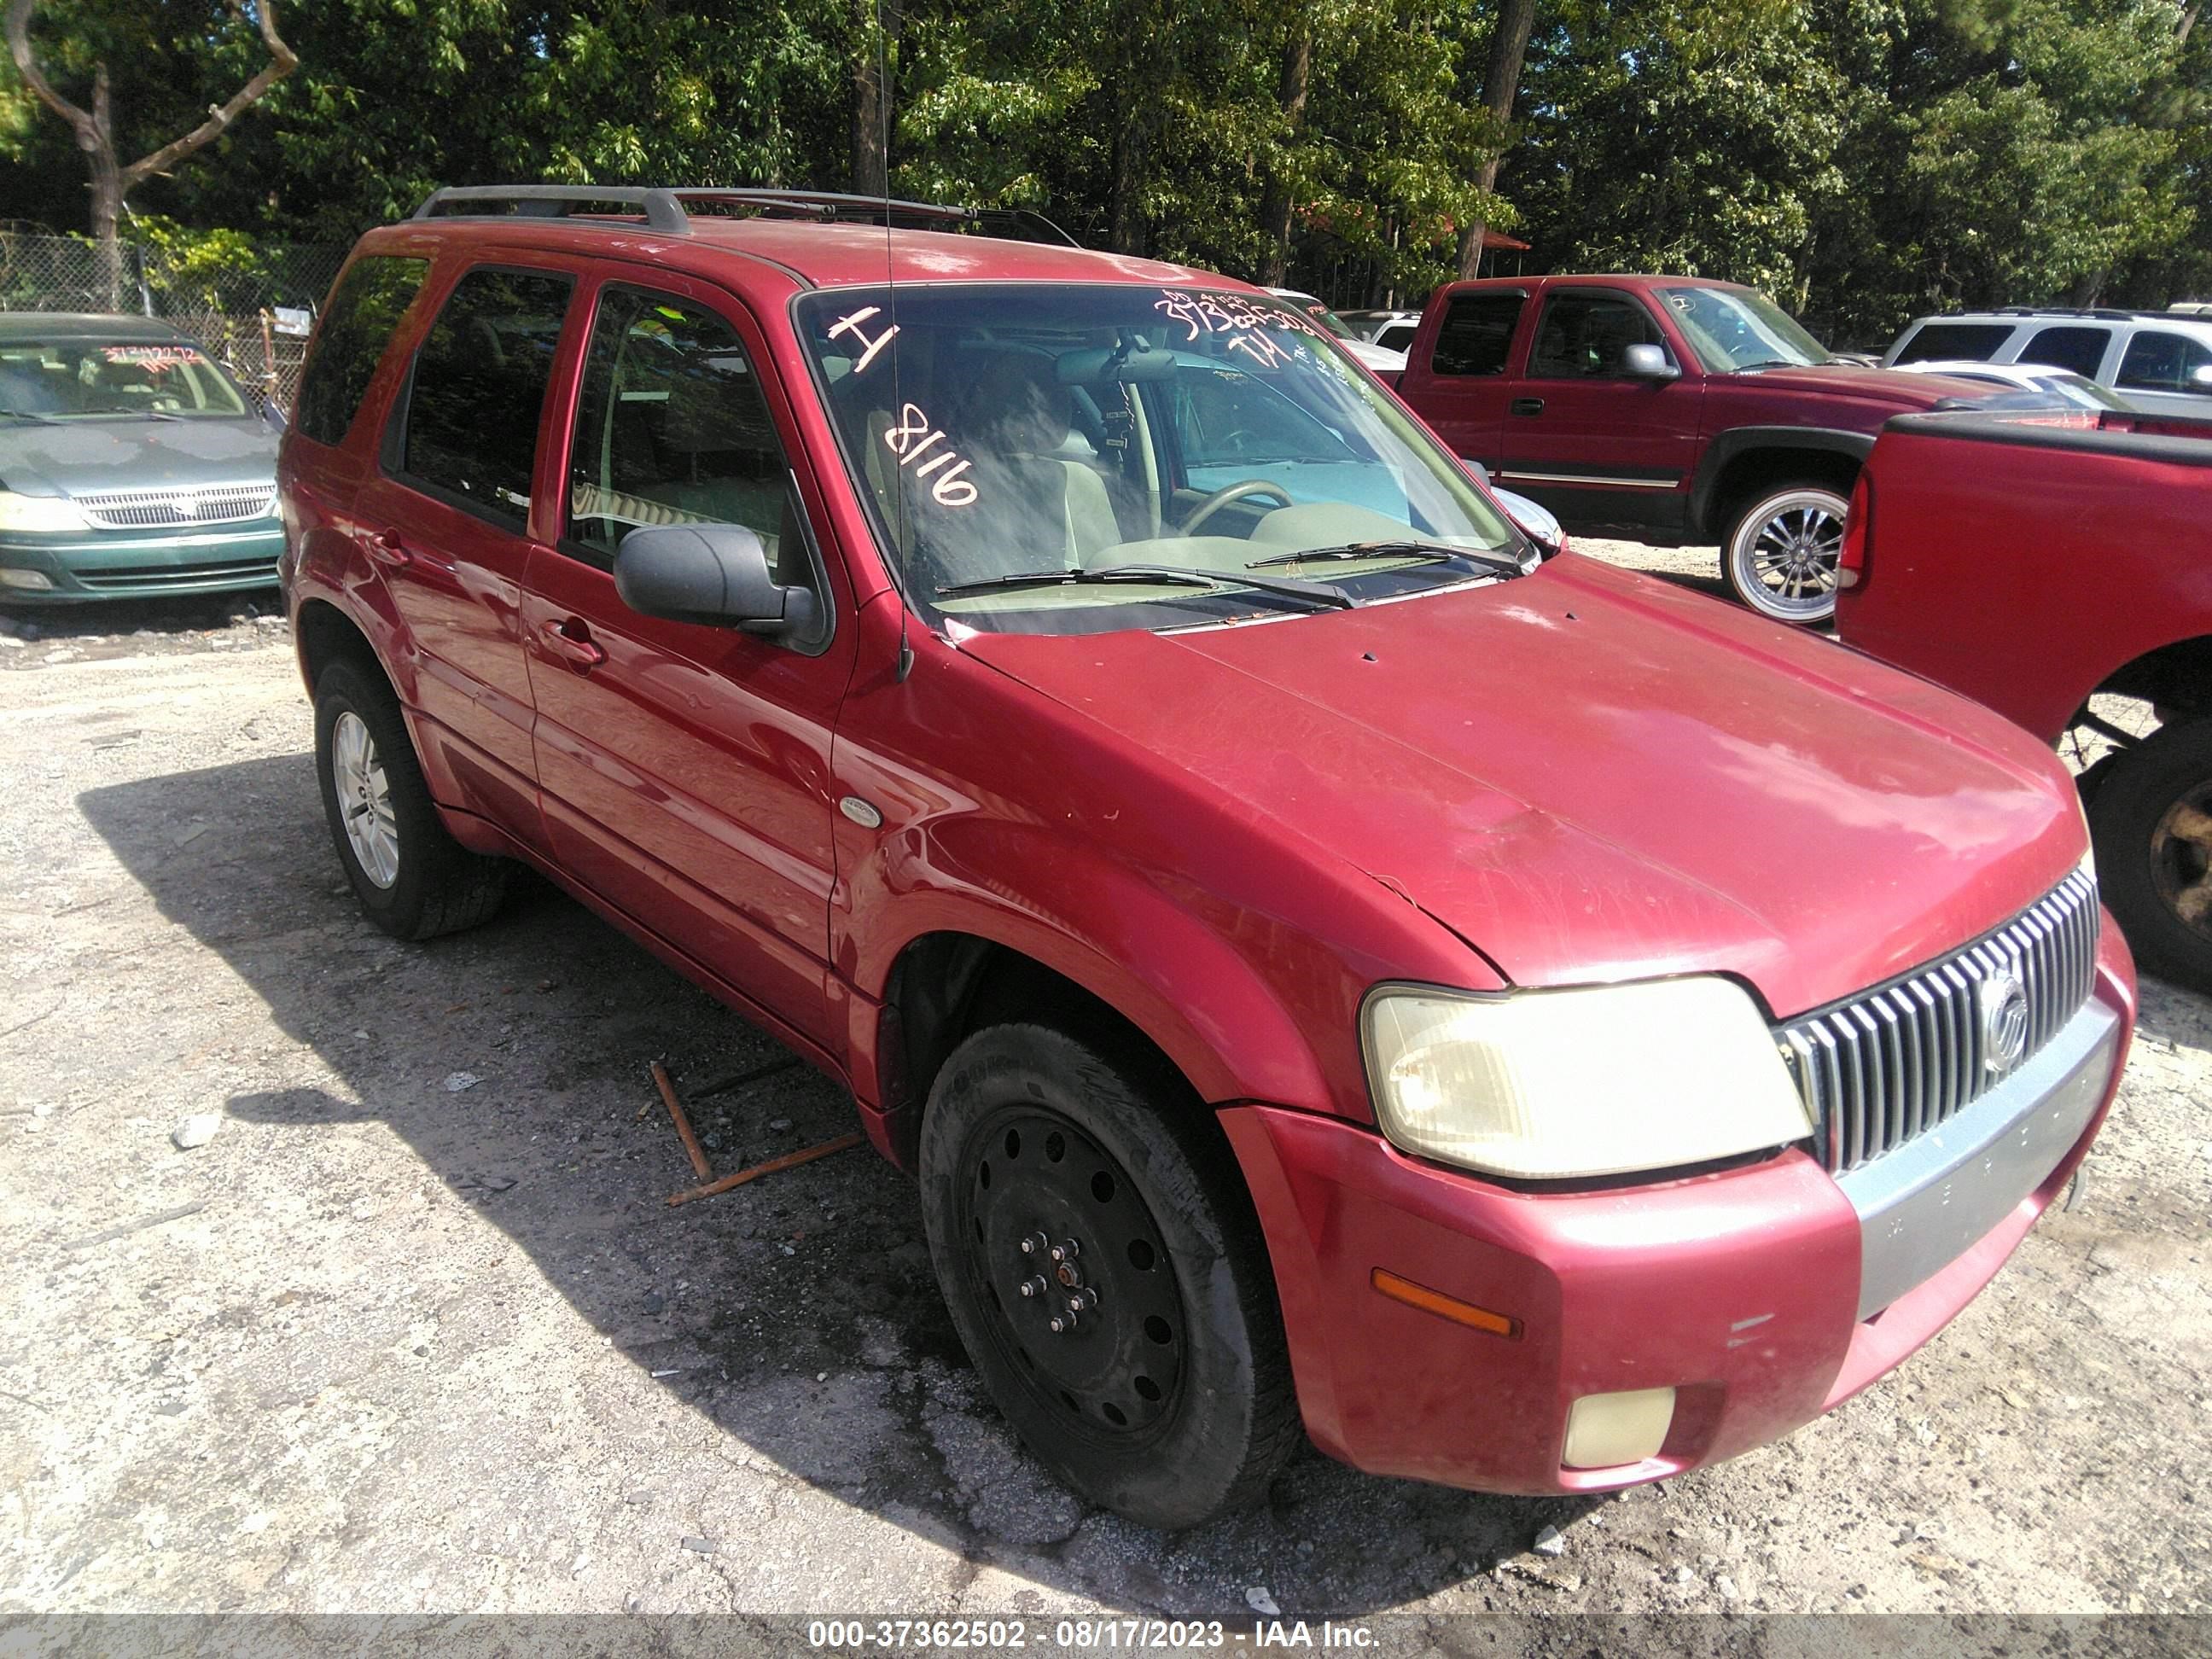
[
  {"x": 1591, "y": 776},
  {"x": 84, "y": 458},
  {"x": 1890, "y": 387}
]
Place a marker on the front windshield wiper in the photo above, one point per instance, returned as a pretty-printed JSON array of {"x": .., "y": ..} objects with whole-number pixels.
[
  {"x": 26, "y": 415},
  {"x": 1773, "y": 362},
  {"x": 1434, "y": 552},
  {"x": 1289, "y": 586}
]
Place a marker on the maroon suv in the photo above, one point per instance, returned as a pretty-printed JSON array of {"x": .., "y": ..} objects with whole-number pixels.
[{"x": 1668, "y": 409}]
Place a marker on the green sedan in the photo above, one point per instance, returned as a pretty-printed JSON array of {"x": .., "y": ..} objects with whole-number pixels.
[{"x": 129, "y": 465}]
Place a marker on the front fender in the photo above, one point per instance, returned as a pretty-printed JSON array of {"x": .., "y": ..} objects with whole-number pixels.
[{"x": 1736, "y": 442}]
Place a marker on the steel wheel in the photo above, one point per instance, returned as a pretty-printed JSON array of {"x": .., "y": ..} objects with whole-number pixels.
[
  {"x": 1069, "y": 1255},
  {"x": 372, "y": 829},
  {"x": 1782, "y": 556},
  {"x": 2181, "y": 860}
]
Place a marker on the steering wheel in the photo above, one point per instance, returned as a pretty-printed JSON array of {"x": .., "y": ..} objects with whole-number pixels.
[{"x": 1235, "y": 492}]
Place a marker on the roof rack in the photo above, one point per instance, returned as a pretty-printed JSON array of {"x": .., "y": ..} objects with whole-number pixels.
[
  {"x": 2107, "y": 313},
  {"x": 670, "y": 211}
]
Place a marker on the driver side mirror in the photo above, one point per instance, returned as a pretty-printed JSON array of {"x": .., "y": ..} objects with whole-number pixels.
[
  {"x": 715, "y": 573},
  {"x": 2200, "y": 378},
  {"x": 1645, "y": 361}
]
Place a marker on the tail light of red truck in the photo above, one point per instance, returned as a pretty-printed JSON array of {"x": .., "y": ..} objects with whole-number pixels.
[{"x": 1858, "y": 529}]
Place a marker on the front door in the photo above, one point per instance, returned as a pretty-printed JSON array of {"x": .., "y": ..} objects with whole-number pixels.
[
  {"x": 1592, "y": 443},
  {"x": 685, "y": 769},
  {"x": 447, "y": 518}
]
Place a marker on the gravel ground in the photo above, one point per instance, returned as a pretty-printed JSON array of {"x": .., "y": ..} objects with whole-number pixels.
[{"x": 414, "y": 1332}]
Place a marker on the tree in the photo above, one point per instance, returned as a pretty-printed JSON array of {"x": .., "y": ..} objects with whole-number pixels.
[
  {"x": 1501, "y": 83},
  {"x": 112, "y": 180}
]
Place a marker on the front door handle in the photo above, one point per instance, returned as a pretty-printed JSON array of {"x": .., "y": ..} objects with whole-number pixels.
[
  {"x": 386, "y": 548},
  {"x": 572, "y": 640},
  {"x": 1527, "y": 406}
]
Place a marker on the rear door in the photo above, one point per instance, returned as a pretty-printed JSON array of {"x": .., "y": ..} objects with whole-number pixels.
[
  {"x": 1464, "y": 389},
  {"x": 685, "y": 768},
  {"x": 2165, "y": 371},
  {"x": 1590, "y": 441},
  {"x": 447, "y": 516}
]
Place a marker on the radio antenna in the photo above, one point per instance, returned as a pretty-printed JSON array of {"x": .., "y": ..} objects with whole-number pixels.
[{"x": 890, "y": 304}]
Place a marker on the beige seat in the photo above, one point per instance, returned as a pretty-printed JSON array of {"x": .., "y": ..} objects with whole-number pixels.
[{"x": 1017, "y": 414}]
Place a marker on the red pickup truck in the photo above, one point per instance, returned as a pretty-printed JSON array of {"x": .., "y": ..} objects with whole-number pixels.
[
  {"x": 2034, "y": 564},
  {"x": 1668, "y": 409}
]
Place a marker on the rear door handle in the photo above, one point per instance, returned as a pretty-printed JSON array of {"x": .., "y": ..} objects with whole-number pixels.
[
  {"x": 1526, "y": 405},
  {"x": 572, "y": 640},
  {"x": 386, "y": 548}
]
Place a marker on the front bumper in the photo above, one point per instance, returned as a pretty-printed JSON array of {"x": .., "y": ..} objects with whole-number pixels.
[
  {"x": 1740, "y": 1290},
  {"x": 95, "y": 564}
]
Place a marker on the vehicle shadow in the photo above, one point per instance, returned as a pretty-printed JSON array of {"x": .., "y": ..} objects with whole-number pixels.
[
  {"x": 160, "y": 615},
  {"x": 811, "y": 1329}
]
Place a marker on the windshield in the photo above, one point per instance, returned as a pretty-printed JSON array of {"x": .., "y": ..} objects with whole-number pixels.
[
  {"x": 1009, "y": 434},
  {"x": 106, "y": 381},
  {"x": 1735, "y": 328}
]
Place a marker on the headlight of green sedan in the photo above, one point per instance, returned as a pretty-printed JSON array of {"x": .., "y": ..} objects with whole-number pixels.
[
  {"x": 40, "y": 513},
  {"x": 1551, "y": 1084}
]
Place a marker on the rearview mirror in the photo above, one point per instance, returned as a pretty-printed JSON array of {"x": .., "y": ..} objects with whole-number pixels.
[
  {"x": 1643, "y": 361},
  {"x": 1142, "y": 363},
  {"x": 715, "y": 574}
]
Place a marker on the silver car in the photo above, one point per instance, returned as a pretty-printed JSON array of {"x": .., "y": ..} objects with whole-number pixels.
[{"x": 2160, "y": 362}]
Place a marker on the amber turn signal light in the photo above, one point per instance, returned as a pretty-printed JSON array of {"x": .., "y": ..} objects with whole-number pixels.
[{"x": 1444, "y": 1307}]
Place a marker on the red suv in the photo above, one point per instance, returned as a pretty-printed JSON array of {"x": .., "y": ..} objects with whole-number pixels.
[
  {"x": 1323, "y": 962},
  {"x": 1667, "y": 408}
]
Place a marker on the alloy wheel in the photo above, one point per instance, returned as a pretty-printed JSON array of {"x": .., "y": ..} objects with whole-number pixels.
[
  {"x": 372, "y": 829},
  {"x": 1785, "y": 554},
  {"x": 2181, "y": 860}
]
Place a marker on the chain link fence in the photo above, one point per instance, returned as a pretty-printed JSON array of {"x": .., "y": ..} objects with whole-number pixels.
[{"x": 247, "y": 303}]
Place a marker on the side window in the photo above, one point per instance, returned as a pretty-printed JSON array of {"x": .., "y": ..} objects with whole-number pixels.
[
  {"x": 479, "y": 387},
  {"x": 1587, "y": 335},
  {"x": 2081, "y": 350},
  {"x": 1399, "y": 336},
  {"x": 358, "y": 323},
  {"x": 1226, "y": 419},
  {"x": 1956, "y": 343},
  {"x": 672, "y": 429},
  {"x": 1476, "y": 335},
  {"x": 2159, "y": 362}
]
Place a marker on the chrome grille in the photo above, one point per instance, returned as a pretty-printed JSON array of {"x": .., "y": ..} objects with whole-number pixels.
[
  {"x": 171, "y": 509},
  {"x": 1895, "y": 1061}
]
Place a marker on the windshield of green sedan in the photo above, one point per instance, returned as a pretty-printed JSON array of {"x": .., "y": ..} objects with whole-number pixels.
[
  {"x": 109, "y": 379},
  {"x": 1735, "y": 328},
  {"x": 1023, "y": 446}
]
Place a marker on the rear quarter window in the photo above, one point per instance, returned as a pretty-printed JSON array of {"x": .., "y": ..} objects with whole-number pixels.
[
  {"x": 2081, "y": 349},
  {"x": 1966, "y": 342},
  {"x": 364, "y": 312}
]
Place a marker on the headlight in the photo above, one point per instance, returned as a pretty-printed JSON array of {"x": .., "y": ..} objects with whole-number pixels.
[
  {"x": 39, "y": 513},
  {"x": 1545, "y": 1085}
]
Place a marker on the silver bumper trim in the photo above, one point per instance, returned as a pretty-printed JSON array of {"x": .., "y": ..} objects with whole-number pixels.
[{"x": 1921, "y": 1205}]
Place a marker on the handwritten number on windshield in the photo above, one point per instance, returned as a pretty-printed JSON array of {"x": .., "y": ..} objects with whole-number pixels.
[{"x": 915, "y": 436}]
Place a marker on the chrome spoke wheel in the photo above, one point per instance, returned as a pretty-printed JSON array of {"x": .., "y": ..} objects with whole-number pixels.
[
  {"x": 364, "y": 795},
  {"x": 1783, "y": 555}
]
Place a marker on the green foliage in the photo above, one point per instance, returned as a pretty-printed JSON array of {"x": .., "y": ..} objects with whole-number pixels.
[{"x": 1864, "y": 160}]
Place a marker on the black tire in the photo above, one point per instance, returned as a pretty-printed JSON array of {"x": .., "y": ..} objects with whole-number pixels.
[
  {"x": 1031, "y": 1134},
  {"x": 2147, "y": 871},
  {"x": 439, "y": 886}
]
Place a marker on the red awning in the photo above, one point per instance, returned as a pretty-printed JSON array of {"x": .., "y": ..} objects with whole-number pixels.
[{"x": 1491, "y": 238}]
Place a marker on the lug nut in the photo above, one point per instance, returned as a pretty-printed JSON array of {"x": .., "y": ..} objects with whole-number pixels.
[
  {"x": 1058, "y": 1324},
  {"x": 1034, "y": 1287}
]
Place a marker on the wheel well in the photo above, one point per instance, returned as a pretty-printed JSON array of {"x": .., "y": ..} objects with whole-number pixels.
[
  {"x": 1757, "y": 471},
  {"x": 946, "y": 986},
  {"x": 2176, "y": 676},
  {"x": 328, "y": 635}
]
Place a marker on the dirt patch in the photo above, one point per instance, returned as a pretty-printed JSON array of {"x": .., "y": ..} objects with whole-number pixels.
[{"x": 386, "y": 1344}]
